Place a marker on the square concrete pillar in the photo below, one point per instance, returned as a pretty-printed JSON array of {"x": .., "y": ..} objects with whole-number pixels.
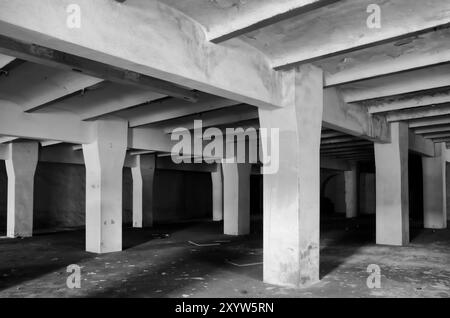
[
  {"x": 351, "y": 191},
  {"x": 392, "y": 191},
  {"x": 217, "y": 193},
  {"x": 367, "y": 193},
  {"x": 236, "y": 198},
  {"x": 292, "y": 194},
  {"x": 143, "y": 178},
  {"x": 21, "y": 167},
  {"x": 104, "y": 160},
  {"x": 435, "y": 189}
]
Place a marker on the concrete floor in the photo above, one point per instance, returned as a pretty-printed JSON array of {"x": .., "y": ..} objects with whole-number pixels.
[{"x": 151, "y": 266}]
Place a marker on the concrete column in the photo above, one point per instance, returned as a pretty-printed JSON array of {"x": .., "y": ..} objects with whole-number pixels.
[
  {"x": 392, "y": 191},
  {"x": 292, "y": 194},
  {"x": 367, "y": 193},
  {"x": 21, "y": 167},
  {"x": 236, "y": 198},
  {"x": 104, "y": 160},
  {"x": 217, "y": 192},
  {"x": 435, "y": 189},
  {"x": 351, "y": 191},
  {"x": 143, "y": 177}
]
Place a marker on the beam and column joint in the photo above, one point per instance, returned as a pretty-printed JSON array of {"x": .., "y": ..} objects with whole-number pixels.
[{"x": 292, "y": 194}]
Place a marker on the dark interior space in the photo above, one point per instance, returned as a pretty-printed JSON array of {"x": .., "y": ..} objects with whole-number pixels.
[
  {"x": 3, "y": 197},
  {"x": 415, "y": 194},
  {"x": 256, "y": 195}
]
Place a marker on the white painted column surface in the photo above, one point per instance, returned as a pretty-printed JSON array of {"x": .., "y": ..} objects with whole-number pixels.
[
  {"x": 351, "y": 191},
  {"x": 292, "y": 194},
  {"x": 435, "y": 189},
  {"x": 143, "y": 182},
  {"x": 217, "y": 193},
  {"x": 392, "y": 190},
  {"x": 104, "y": 160},
  {"x": 21, "y": 167},
  {"x": 236, "y": 198}
]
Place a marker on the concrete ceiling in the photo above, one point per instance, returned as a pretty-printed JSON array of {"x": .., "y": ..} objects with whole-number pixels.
[{"x": 399, "y": 72}]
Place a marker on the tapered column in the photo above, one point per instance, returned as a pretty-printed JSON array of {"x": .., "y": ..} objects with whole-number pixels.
[
  {"x": 143, "y": 179},
  {"x": 236, "y": 198},
  {"x": 351, "y": 191},
  {"x": 217, "y": 193},
  {"x": 104, "y": 159},
  {"x": 435, "y": 189},
  {"x": 392, "y": 191},
  {"x": 21, "y": 167},
  {"x": 292, "y": 192}
]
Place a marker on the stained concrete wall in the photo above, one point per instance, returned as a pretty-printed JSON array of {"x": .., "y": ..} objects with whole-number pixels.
[{"x": 60, "y": 196}]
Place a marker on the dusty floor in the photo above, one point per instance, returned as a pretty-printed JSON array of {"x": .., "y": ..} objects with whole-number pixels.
[{"x": 172, "y": 267}]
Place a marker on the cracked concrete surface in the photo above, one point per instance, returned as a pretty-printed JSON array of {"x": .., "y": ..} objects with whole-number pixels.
[{"x": 158, "y": 266}]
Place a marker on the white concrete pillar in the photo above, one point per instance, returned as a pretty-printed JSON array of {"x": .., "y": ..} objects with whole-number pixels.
[
  {"x": 435, "y": 189},
  {"x": 392, "y": 191},
  {"x": 143, "y": 178},
  {"x": 104, "y": 160},
  {"x": 217, "y": 193},
  {"x": 292, "y": 194},
  {"x": 236, "y": 198},
  {"x": 21, "y": 167},
  {"x": 351, "y": 191}
]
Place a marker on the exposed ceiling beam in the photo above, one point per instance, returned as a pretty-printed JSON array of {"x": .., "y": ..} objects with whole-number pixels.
[
  {"x": 346, "y": 148},
  {"x": 213, "y": 119},
  {"x": 4, "y": 140},
  {"x": 267, "y": 14},
  {"x": 171, "y": 108},
  {"x": 439, "y": 140},
  {"x": 352, "y": 119},
  {"x": 49, "y": 143},
  {"x": 337, "y": 140},
  {"x": 330, "y": 134},
  {"x": 172, "y": 47},
  {"x": 44, "y": 126},
  {"x": 69, "y": 62},
  {"x": 420, "y": 113},
  {"x": 420, "y": 145},
  {"x": 432, "y": 129},
  {"x": 341, "y": 28},
  {"x": 428, "y": 122},
  {"x": 397, "y": 84},
  {"x": 353, "y": 143},
  {"x": 411, "y": 53},
  {"x": 40, "y": 85},
  {"x": 405, "y": 102},
  {"x": 107, "y": 99},
  {"x": 5, "y": 60},
  {"x": 436, "y": 135}
]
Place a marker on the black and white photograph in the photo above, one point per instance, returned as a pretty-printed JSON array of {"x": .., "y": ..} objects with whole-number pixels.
[{"x": 224, "y": 156}]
